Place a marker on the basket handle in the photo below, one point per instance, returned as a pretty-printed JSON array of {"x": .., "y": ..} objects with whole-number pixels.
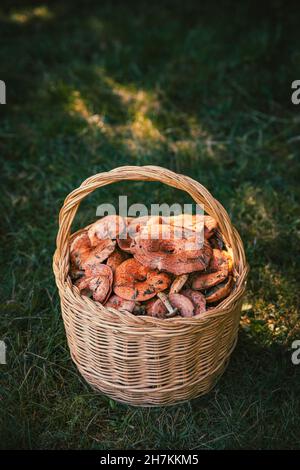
[{"x": 145, "y": 173}]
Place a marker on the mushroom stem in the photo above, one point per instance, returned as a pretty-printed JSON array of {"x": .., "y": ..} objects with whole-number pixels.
[
  {"x": 178, "y": 283},
  {"x": 171, "y": 311}
]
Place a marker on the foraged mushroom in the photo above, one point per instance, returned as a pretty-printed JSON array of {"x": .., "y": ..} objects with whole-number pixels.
[
  {"x": 219, "y": 292},
  {"x": 135, "y": 225},
  {"x": 220, "y": 259},
  {"x": 205, "y": 281},
  {"x": 101, "y": 288},
  {"x": 111, "y": 226},
  {"x": 187, "y": 222},
  {"x": 80, "y": 249},
  {"x": 83, "y": 286},
  {"x": 178, "y": 283},
  {"x": 98, "y": 269},
  {"x": 217, "y": 271},
  {"x": 177, "y": 254},
  {"x": 197, "y": 298},
  {"x": 133, "y": 281},
  {"x": 174, "y": 263},
  {"x": 156, "y": 308},
  {"x": 183, "y": 304},
  {"x": 196, "y": 223},
  {"x": 97, "y": 281},
  {"x": 120, "y": 304},
  {"x": 82, "y": 252},
  {"x": 210, "y": 226},
  {"x": 171, "y": 311},
  {"x": 116, "y": 258}
]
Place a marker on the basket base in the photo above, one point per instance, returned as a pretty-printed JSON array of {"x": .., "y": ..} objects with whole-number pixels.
[
  {"x": 158, "y": 405},
  {"x": 159, "y": 396}
]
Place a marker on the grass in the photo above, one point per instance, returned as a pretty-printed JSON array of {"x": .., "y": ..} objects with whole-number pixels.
[{"x": 205, "y": 92}]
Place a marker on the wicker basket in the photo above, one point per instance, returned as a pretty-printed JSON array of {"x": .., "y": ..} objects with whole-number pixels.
[{"x": 142, "y": 360}]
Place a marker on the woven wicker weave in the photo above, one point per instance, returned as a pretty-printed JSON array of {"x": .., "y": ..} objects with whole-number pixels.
[{"x": 143, "y": 360}]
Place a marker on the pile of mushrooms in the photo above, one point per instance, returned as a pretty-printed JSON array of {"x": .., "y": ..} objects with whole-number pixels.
[{"x": 152, "y": 265}]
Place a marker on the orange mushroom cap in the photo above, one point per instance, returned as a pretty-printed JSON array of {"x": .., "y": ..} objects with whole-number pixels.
[
  {"x": 178, "y": 254},
  {"x": 83, "y": 253},
  {"x": 133, "y": 281},
  {"x": 217, "y": 271},
  {"x": 101, "y": 288},
  {"x": 97, "y": 281},
  {"x": 109, "y": 227},
  {"x": 116, "y": 258},
  {"x": 197, "y": 222}
]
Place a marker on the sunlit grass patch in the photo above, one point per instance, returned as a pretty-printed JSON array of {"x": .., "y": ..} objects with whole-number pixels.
[{"x": 41, "y": 12}]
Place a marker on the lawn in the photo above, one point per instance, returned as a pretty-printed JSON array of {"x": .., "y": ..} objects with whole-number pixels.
[{"x": 201, "y": 89}]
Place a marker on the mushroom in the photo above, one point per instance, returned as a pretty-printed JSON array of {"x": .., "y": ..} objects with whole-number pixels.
[
  {"x": 176, "y": 254},
  {"x": 219, "y": 267},
  {"x": 80, "y": 249},
  {"x": 219, "y": 292},
  {"x": 178, "y": 283},
  {"x": 126, "y": 244},
  {"x": 135, "y": 225},
  {"x": 109, "y": 227},
  {"x": 97, "y": 281},
  {"x": 116, "y": 258},
  {"x": 98, "y": 269},
  {"x": 188, "y": 221},
  {"x": 83, "y": 253},
  {"x": 210, "y": 226},
  {"x": 221, "y": 259},
  {"x": 171, "y": 311},
  {"x": 205, "y": 281},
  {"x": 196, "y": 222},
  {"x": 83, "y": 285},
  {"x": 101, "y": 288},
  {"x": 183, "y": 304},
  {"x": 197, "y": 298},
  {"x": 133, "y": 281},
  {"x": 156, "y": 308},
  {"x": 120, "y": 304}
]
